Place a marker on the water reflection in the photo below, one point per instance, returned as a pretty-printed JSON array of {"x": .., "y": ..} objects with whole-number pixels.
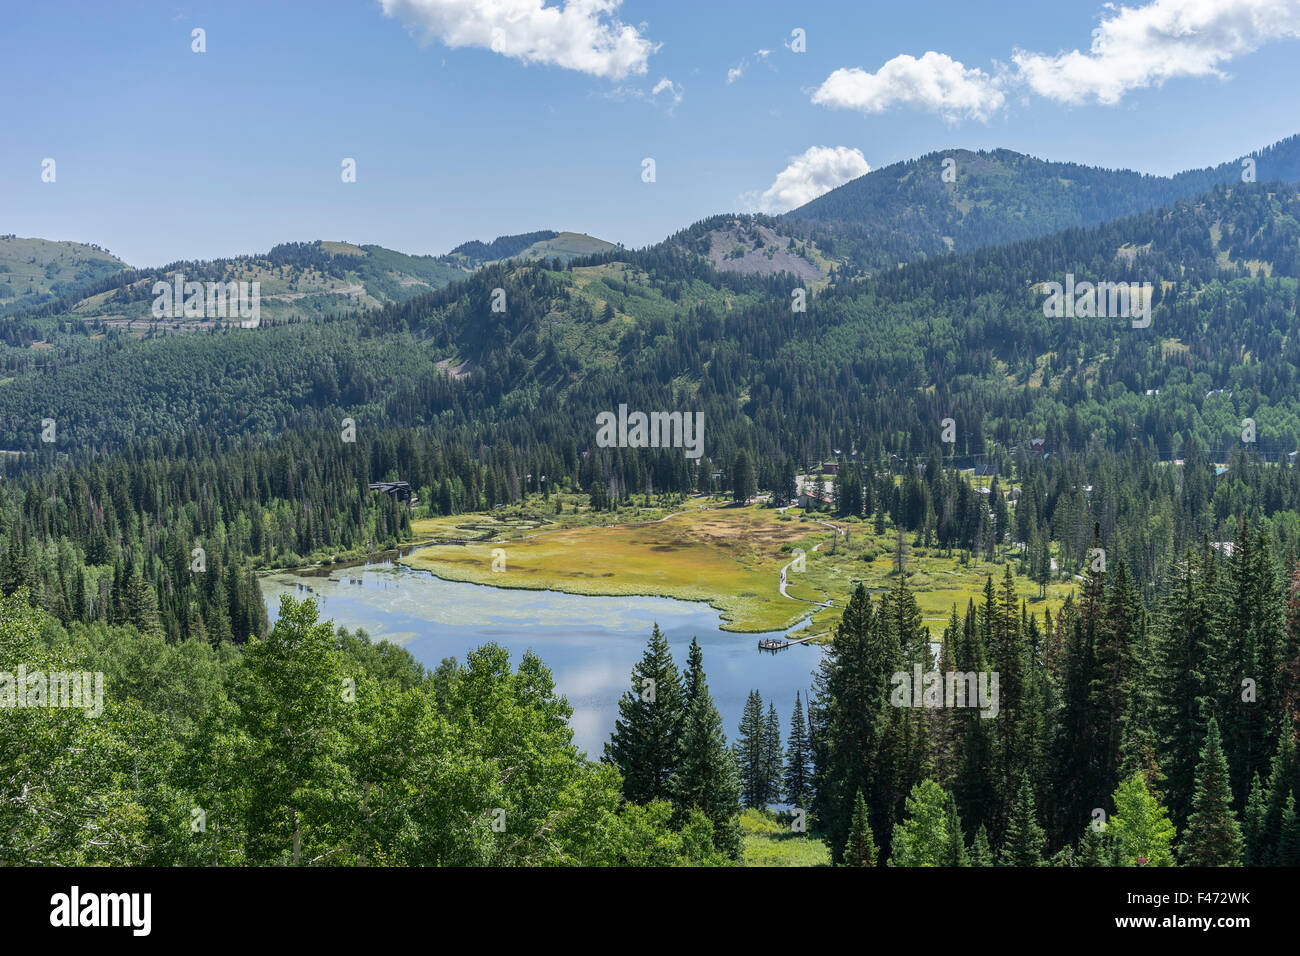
[{"x": 590, "y": 643}]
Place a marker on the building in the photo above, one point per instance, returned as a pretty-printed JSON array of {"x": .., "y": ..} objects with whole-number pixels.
[
  {"x": 810, "y": 499},
  {"x": 399, "y": 490}
]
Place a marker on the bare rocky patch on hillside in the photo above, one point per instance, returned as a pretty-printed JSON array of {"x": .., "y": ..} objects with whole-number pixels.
[{"x": 753, "y": 249}]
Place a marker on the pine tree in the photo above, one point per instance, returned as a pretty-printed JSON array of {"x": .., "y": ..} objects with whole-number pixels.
[
  {"x": 749, "y": 749},
  {"x": 980, "y": 852},
  {"x": 1185, "y": 686},
  {"x": 1289, "y": 846},
  {"x": 772, "y": 757},
  {"x": 694, "y": 675},
  {"x": 1094, "y": 849},
  {"x": 1074, "y": 770},
  {"x": 1253, "y": 646},
  {"x": 861, "y": 849},
  {"x": 786, "y": 491},
  {"x": 1252, "y": 824},
  {"x": 1043, "y": 564},
  {"x": 973, "y": 785},
  {"x": 743, "y": 484},
  {"x": 852, "y": 717},
  {"x": 1109, "y": 692},
  {"x": 1212, "y": 837},
  {"x": 1009, "y": 656},
  {"x": 1279, "y": 787},
  {"x": 1138, "y": 744},
  {"x": 956, "y": 853},
  {"x": 706, "y": 778},
  {"x": 142, "y": 604},
  {"x": 1024, "y": 840},
  {"x": 796, "y": 758},
  {"x": 646, "y": 743}
]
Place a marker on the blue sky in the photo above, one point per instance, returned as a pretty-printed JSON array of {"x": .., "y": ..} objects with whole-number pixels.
[{"x": 163, "y": 153}]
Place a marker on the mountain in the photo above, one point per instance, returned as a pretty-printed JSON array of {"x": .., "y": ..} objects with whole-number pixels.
[
  {"x": 475, "y": 252},
  {"x": 911, "y": 209},
  {"x": 544, "y": 244},
  {"x": 668, "y": 326},
  {"x": 297, "y": 280},
  {"x": 660, "y": 328},
  {"x": 755, "y": 245},
  {"x": 36, "y": 271},
  {"x": 951, "y": 201}
]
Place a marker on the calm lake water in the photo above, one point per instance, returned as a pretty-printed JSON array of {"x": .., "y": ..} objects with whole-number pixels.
[{"x": 589, "y": 643}]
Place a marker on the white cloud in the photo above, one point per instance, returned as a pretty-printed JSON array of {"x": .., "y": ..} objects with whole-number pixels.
[
  {"x": 819, "y": 170},
  {"x": 582, "y": 35},
  {"x": 675, "y": 92},
  {"x": 935, "y": 82},
  {"x": 666, "y": 85},
  {"x": 739, "y": 69},
  {"x": 1137, "y": 47}
]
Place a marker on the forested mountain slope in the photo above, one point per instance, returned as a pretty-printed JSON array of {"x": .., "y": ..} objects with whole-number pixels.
[
  {"x": 545, "y": 244},
  {"x": 872, "y": 367},
  {"x": 296, "y": 280},
  {"x": 968, "y": 330},
  {"x": 962, "y": 200}
]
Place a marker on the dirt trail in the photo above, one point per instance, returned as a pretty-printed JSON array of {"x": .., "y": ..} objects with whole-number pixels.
[{"x": 784, "y": 583}]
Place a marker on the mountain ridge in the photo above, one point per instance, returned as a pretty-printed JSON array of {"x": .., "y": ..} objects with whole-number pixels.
[
  {"x": 927, "y": 206},
  {"x": 297, "y": 279},
  {"x": 899, "y": 213}
]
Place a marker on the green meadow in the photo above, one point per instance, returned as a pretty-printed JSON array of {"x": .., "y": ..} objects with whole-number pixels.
[
  {"x": 728, "y": 556},
  {"x": 769, "y": 841}
]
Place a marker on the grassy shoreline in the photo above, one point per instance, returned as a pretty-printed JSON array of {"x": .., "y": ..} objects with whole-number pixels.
[
  {"x": 726, "y": 556},
  {"x": 700, "y": 550}
]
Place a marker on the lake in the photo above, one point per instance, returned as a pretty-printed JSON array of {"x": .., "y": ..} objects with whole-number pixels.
[{"x": 589, "y": 643}]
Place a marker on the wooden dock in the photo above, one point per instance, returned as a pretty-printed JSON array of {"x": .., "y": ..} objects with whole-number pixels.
[{"x": 776, "y": 644}]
